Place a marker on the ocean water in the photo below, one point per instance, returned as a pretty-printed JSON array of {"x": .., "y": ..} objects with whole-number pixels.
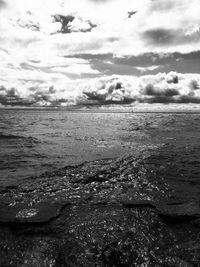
[
  {"x": 134, "y": 201},
  {"x": 35, "y": 141}
]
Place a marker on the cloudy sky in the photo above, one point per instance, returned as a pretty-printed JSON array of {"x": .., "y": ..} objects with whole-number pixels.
[{"x": 71, "y": 52}]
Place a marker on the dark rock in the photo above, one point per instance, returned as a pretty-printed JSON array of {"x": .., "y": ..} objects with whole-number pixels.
[
  {"x": 115, "y": 255},
  {"x": 180, "y": 212},
  {"x": 40, "y": 213},
  {"x": 107, "y": 223},
  {"x": 197, "y": 223},
  {"x": 135, "y": 203},
  {"x": 99, "y": 203}
]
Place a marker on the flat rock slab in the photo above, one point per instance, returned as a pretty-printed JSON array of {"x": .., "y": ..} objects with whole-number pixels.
[
  {"x": 184, "y": 211},
  {"x": 23, "y": 214},
  {"x": 135, "y": 204}
]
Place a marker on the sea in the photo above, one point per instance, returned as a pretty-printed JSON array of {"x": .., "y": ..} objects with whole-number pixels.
[{"x": 33, "y": 142}]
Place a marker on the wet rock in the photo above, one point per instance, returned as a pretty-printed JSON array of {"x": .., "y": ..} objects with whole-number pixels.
[
  {"x": 135, "y": 203},
  {"x": 180, "y": 212},
  {"x": 114, "y": 218},
  {"x": 176, "y": 261},
  {"x": 97, "y": 203},
  {"x": 197, "y": 223},
  {"x": 40, "y": 213},
  {"x": 119, "y": 254}
]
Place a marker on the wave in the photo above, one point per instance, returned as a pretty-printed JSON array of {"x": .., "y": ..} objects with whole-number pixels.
[
  {"x": 10, "y": 136},
  {"x": 13, "y": 136}
]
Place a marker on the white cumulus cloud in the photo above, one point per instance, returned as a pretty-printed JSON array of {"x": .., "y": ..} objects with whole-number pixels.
[{"x": 161, "y": 88}]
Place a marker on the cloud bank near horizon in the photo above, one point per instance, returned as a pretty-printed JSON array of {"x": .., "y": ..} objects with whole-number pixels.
[{"x": 161, "y": 88}]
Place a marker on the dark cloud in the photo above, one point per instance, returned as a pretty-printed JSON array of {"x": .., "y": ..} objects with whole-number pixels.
[
  {"x": 64, "y": 20},
  {"x": 160, "y": 36},
  {"x": 188, "y": 99},
  {"x": 173, "y": 79},
  {"x": 167, "y": 37},
  {"x": 92, "y": 56},
  {"x": 164, "y": 88},
  {"x": 92, "y": 25},
  {"x": 36, "y": 97},
  {"x": 28, "y": 24},
  {"x": 113, "y": 39},
  {"x": 155, "y": 94},
  {"x": 96, "y": 99},
  {"x": 150, "y": 90},
  {"x": 66, "y": 26},
  {"x": 110, "y": 64},
  {"x": 4, "y": 50},
  {"x": 2, "y": 4},
  {"x": 182, "y": 63},
  {"x": 194, "y": 85},
  {"x": 40, "y": 96},
  {"x": 131, "y": 13},
  {"x": 11, "y": 97},
  {"x": 162, "y": 5}
]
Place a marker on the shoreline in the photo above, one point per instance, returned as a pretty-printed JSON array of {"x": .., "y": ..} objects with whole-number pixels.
[{"x": 99, "y": 213}]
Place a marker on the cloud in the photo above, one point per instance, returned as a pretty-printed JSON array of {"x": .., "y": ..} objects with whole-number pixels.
[
  {"x": 131, "y": 13},
  {"x": 160, "y": 36},
  {"x": 163, "y": 5},
  {"x": 149, "y": 68},
  {"x": 161, "y": 88},
  {"x": 150, "y": 90},
  {"x": 2, "y": 4},
  {"x": 64, "y": 20},
  {"x": 149, "y": 63},
  {"x": 167, "y": 37},
  {"x": 51, "y": 43},
  {"x": 73, "y": 16},
  {"x": 100, "y": 1},
  {"x": 81, "y": 25},
  {"x": 70, "y": 23},
  {"x": 150, "y": 26},
  {"x": 76, "y": 69}
]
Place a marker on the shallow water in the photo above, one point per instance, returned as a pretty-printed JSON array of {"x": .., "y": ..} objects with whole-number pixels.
[{"x": 35, "y": 141}]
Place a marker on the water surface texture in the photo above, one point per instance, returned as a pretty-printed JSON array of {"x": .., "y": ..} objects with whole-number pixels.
[
  {"x": 99, "y": 189},
  {"x": 34, "y": 141}
]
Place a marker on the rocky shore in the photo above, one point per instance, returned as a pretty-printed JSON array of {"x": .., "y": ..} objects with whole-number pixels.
[{"x": 112, "y": 212}]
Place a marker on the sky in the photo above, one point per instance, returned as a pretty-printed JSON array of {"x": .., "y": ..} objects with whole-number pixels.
[{"x": 85, "y": 52}]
